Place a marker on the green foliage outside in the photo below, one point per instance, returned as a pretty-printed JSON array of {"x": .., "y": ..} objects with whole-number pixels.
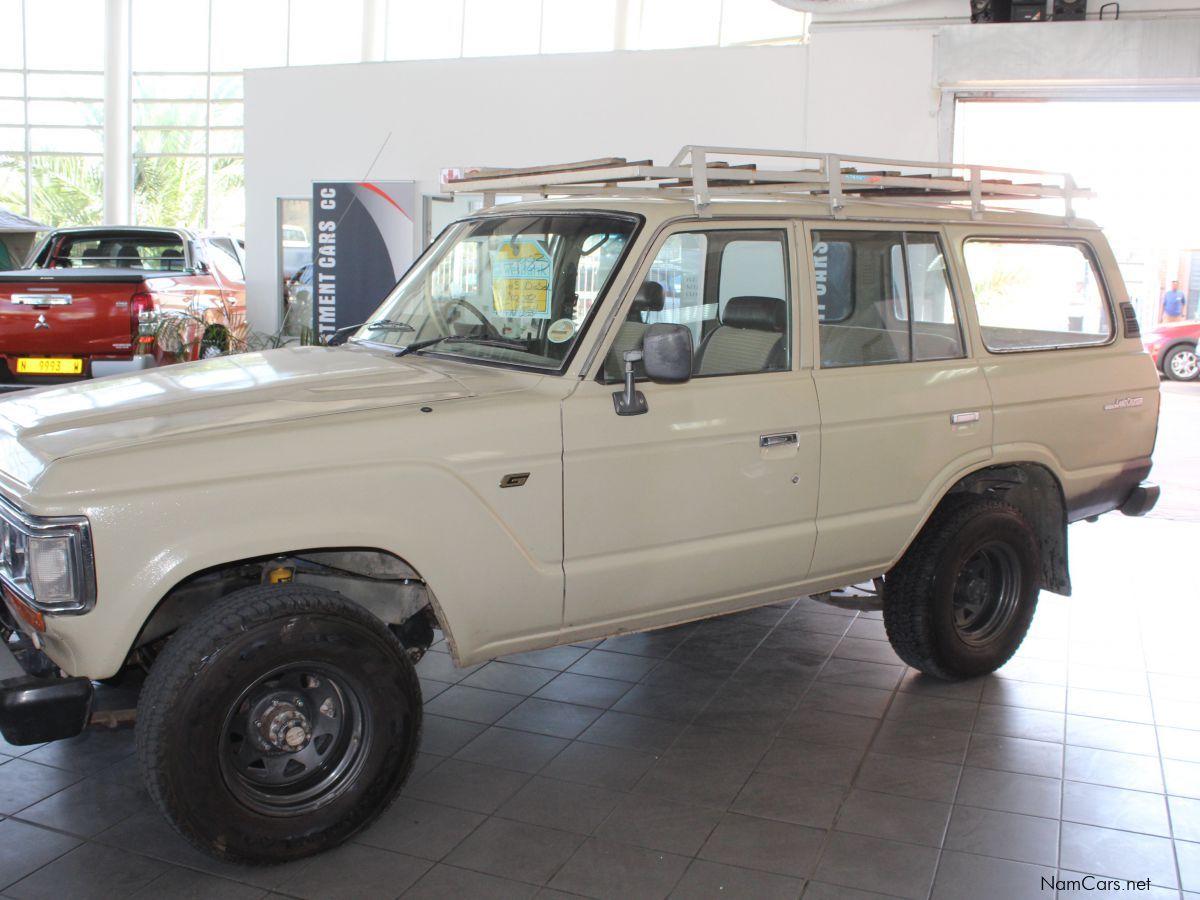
[{"x": 67, "y": 190}]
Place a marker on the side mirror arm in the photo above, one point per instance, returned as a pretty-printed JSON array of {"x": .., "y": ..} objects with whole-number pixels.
[{"x": 630, "y": 401}]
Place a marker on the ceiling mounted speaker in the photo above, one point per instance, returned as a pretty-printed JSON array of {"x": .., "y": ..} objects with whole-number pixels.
[
  {"x": 1070, "y": 10},
  {"x": 986, "y": 11},
  {"x": 1029, "y": 11}
]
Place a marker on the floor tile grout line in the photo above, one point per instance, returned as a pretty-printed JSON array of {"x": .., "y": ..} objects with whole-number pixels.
[
  {"x": 1062, "y": 785},
  {"x": 82, "y": 843},
  {"x": 1163, "y": 772},
  {"x": 726, "y": 809},
  {"x": 962, "y": 768},
  {"x": 488, "y": 816}
]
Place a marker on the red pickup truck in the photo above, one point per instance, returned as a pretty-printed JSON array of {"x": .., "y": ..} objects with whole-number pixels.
[{"x": 105, "y": 300}]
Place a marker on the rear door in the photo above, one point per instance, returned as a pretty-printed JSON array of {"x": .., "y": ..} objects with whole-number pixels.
[{"x": 905, "y": 410}]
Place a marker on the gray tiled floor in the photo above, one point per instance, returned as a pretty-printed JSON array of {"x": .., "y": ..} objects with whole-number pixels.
[{"x": 782, "y": 752}]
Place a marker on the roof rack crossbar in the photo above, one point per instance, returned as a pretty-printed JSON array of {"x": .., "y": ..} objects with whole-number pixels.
[{"x": 700, "y": 173}]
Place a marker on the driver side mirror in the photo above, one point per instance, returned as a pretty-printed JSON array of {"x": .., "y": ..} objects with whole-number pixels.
[
  {"x": 667, "y": 352},
  {"x": 666, "y": 355}
]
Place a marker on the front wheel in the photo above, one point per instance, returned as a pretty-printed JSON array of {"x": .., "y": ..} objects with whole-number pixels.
[
  {"x": 1182, "y": 364},
  {"x": 958, "y": 604},
  {"x": 278, "y": 724}
]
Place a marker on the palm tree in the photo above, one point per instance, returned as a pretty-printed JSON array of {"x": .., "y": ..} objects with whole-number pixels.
[{"x": 67, "y": 190}]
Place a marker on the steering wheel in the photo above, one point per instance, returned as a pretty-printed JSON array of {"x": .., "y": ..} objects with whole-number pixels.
[{"x": 489, "y": 330}]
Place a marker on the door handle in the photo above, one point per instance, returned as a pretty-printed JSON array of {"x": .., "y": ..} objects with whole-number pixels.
[
  {"x": 776, "y": 440},
  {"x": 964, "y": 418}
]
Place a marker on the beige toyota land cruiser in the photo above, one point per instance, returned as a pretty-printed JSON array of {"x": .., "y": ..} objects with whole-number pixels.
[{"x": 654, "y": 394}]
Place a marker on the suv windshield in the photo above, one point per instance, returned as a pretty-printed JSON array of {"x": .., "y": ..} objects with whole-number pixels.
[{"x": 514, "y": 289}]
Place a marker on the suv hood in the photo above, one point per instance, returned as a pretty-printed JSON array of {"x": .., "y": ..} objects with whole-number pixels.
[{"x": 247, "y": 390}]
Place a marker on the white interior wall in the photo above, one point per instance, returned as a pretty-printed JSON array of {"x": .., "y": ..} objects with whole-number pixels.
[
  {"x": 870, "y": 87},
  {"x": 330, "y": 122}
]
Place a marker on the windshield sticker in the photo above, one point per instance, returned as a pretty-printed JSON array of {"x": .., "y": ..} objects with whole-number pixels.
[
  {"x": 521, "y": 279},
  {"x": 560, "y": 331}
]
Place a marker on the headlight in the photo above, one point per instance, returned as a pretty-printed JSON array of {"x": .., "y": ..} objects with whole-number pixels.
[{"x": 47, "y": 562}]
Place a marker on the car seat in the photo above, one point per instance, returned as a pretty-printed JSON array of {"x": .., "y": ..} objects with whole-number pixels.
[
  {"x": 629, "y": 336},
  {"x": 749, "y": 338}
]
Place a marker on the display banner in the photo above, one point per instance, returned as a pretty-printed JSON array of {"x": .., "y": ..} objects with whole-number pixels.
[{"x": 363, "y": 241}]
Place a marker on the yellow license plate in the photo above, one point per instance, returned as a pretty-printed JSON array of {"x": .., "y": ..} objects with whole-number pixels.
[{"x": 49, "y": 366}]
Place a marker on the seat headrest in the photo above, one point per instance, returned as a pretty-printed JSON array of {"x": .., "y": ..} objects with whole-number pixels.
[
  {"x": 172, "y": 253},
  {"x": 649, "y": 298},
  {"x": 759, "y": 313}
]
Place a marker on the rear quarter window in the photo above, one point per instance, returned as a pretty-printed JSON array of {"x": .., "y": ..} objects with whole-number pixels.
[{"x": 1037, "y": 295}]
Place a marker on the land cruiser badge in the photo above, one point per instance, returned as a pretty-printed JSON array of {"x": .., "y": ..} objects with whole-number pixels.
[{"x": 1123, "y": 403}]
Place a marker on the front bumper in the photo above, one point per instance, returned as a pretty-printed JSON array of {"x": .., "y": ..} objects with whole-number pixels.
[
  {"x": 1141, "y": 499},
  {"x": 34, "y": 710}
]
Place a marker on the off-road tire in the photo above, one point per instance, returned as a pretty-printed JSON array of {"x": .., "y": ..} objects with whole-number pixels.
[
  {"x": 929, "y": 585},
  {"x": 1181, "y": 363},
  {"x": 201, "y": 681}
]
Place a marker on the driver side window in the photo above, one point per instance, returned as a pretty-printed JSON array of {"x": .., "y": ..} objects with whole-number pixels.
[{"x": 729, "y": 288}]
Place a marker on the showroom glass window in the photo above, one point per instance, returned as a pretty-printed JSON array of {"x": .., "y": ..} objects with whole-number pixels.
[
  {"x": 187, "y": 105},
  {"x": 883, "y": 297},
  {"x": 52, "y": 110},
  {"x": 1037, "y": 295}
]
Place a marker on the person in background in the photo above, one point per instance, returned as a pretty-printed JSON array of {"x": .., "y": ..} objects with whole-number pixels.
[{"x": 1173, "y": 304}]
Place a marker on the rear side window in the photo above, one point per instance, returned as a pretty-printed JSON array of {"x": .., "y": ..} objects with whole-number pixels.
[
  {"x": 1037, "y": 295},
  {"x": 883, "y": 297}
]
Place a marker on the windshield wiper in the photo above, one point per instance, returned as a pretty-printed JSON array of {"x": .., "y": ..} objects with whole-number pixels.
[
  {"x": 460, "y": 339},
  {"x": 389, "y": 325}
]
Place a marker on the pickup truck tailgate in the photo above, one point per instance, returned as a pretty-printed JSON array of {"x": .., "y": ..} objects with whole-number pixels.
[{"x": 67, "y": 316}]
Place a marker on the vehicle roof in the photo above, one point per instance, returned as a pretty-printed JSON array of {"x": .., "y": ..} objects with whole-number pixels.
[
  {"x": 126, "y": 229},
  {"x": 659, "y": 209}
]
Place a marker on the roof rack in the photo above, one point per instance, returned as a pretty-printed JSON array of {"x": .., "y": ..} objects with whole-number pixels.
[{"x": 701, "y": 173}]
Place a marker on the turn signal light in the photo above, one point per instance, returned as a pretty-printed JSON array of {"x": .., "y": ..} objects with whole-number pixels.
[
  {"x": 25, "y": 612},
  {"x": 142, "y": 314}
]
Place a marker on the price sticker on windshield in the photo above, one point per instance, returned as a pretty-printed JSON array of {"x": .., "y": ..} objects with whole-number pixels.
[{"x": 522, "y": 276}]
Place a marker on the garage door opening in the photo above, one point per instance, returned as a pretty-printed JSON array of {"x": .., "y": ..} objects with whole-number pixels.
[{"x": 1139, "y": 158}]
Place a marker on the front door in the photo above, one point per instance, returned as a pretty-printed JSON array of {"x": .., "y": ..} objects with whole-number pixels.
[{"x": 707, "y": 502}]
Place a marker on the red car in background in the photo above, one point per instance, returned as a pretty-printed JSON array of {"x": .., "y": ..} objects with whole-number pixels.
[
  {"x": 107, "y": 299},
  {"x": 1173, "y": 348}
]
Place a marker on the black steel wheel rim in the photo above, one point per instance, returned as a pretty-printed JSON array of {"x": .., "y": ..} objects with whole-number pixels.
[
  {"x": 987, "y": 594},
  {"x": 295, "y": 739}
]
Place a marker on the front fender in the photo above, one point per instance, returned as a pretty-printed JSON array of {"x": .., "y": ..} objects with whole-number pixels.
[{"x": 491, "y": 585}]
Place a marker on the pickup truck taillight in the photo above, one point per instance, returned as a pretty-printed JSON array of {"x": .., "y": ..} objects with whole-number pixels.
[{"x": 143, "y": 315}]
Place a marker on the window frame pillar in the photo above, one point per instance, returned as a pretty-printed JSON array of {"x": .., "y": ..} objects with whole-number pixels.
[{"x": 118, "y": 197}]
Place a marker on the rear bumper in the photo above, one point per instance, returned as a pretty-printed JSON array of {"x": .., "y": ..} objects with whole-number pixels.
[
  {"x": 102, "y": 367},
  {"x": 34, "y": 710},
  {"x": 1141, "y": 499},
  {"x": 93, "y": 368}
]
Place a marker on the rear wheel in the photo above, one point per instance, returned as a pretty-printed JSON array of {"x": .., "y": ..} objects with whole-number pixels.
[
  {"x": 1182, "y": 364},
  {"x": 958, "y": 604},
  {"x": 278, "y": 724}
]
